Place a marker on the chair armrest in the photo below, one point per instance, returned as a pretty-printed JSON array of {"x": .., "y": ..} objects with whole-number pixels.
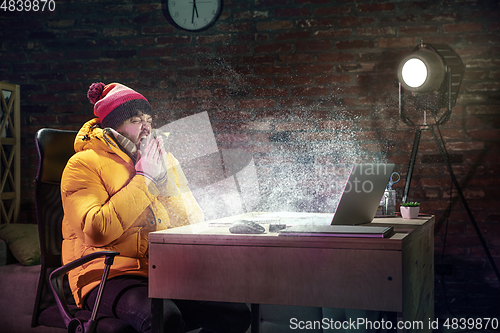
[{"x": 56, "y": 279}]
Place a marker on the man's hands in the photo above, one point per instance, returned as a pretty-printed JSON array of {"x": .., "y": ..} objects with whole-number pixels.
[{"x": 150, "y": 161}]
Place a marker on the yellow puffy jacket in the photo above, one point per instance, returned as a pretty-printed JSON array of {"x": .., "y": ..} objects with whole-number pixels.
[{"x": 108, "y": 207}]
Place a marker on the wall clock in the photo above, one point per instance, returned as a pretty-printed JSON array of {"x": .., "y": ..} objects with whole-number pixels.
[{"x": 192, "y": 15}]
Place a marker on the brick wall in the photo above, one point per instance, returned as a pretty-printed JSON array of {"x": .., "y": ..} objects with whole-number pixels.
[{"x": 305, "y": 86}]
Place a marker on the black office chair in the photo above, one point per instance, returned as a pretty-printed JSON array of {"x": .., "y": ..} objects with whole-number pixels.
[{"x": 54, "y": 304}]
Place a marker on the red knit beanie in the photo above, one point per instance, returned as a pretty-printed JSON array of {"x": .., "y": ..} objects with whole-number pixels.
[{"x": 115, "y": 103}]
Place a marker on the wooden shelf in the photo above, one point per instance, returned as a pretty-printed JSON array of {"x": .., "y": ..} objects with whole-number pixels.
[{"x": 10, "y": 152}]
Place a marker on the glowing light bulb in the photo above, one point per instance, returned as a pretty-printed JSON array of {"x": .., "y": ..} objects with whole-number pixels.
[{"x": 414, "y": 72}]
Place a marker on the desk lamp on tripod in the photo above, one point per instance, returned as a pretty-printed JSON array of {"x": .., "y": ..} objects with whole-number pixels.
[{"x": 432, "y": 75}]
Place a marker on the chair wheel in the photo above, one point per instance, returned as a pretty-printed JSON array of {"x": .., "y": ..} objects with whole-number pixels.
[{"x": 76, "y": 326}]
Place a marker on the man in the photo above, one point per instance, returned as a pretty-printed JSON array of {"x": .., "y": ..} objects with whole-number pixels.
[{"x": 114, "y": 193}]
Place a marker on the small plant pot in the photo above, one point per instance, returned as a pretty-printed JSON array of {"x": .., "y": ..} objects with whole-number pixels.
[{"x": 409, "y": 212}]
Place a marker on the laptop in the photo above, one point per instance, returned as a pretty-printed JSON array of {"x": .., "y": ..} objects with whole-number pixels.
[
  {"x": 357, "y": 205},
  {"x": 362, "y": 193}
]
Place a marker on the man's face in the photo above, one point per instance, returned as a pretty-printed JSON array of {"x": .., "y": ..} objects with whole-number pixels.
[{"x": 136, "y": 128}]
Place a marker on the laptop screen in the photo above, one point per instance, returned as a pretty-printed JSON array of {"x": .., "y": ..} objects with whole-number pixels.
[{"x": 362, "y": 193}]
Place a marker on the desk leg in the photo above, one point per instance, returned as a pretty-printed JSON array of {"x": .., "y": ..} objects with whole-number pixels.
[
  {"x": 393, "y": 317},
  {"x": 157, "y": 315},
  {"x": 255, "y": 308}
]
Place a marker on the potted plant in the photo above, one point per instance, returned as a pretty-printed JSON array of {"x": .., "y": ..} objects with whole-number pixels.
[{"x": 410, "y": 210}]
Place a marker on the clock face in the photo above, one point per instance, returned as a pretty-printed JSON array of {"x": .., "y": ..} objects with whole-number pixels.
[{"x": 193, "y": 15}]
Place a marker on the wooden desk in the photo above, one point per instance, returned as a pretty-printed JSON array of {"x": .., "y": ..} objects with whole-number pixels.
[{"x": 203, "y": 262}]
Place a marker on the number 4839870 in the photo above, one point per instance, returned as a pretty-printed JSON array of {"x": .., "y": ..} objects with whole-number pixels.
[
  {"x": 28, "y": 5},
  {"x": 471, "y": 323}
]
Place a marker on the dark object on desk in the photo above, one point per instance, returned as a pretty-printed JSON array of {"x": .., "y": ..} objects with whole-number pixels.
[
  {"x": 338, "y": 231},
  {"x": 246, "y": 227},
  {"x": 276, "y": 227}
]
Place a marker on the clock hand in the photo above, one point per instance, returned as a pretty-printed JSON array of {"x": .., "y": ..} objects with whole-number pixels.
[{"x": 195, "y": 9}]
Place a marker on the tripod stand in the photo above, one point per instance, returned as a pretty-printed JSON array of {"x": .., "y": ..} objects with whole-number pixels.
[{"x": 442, "y": 149}]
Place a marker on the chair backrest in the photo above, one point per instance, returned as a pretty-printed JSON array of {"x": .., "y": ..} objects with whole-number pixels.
[{"x": 54, "y": 147}]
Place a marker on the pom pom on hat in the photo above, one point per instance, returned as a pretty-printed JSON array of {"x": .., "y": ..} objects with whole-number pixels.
[
  {"x": 95, "y": 92},
  {"x": 114, "y": 103}
]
